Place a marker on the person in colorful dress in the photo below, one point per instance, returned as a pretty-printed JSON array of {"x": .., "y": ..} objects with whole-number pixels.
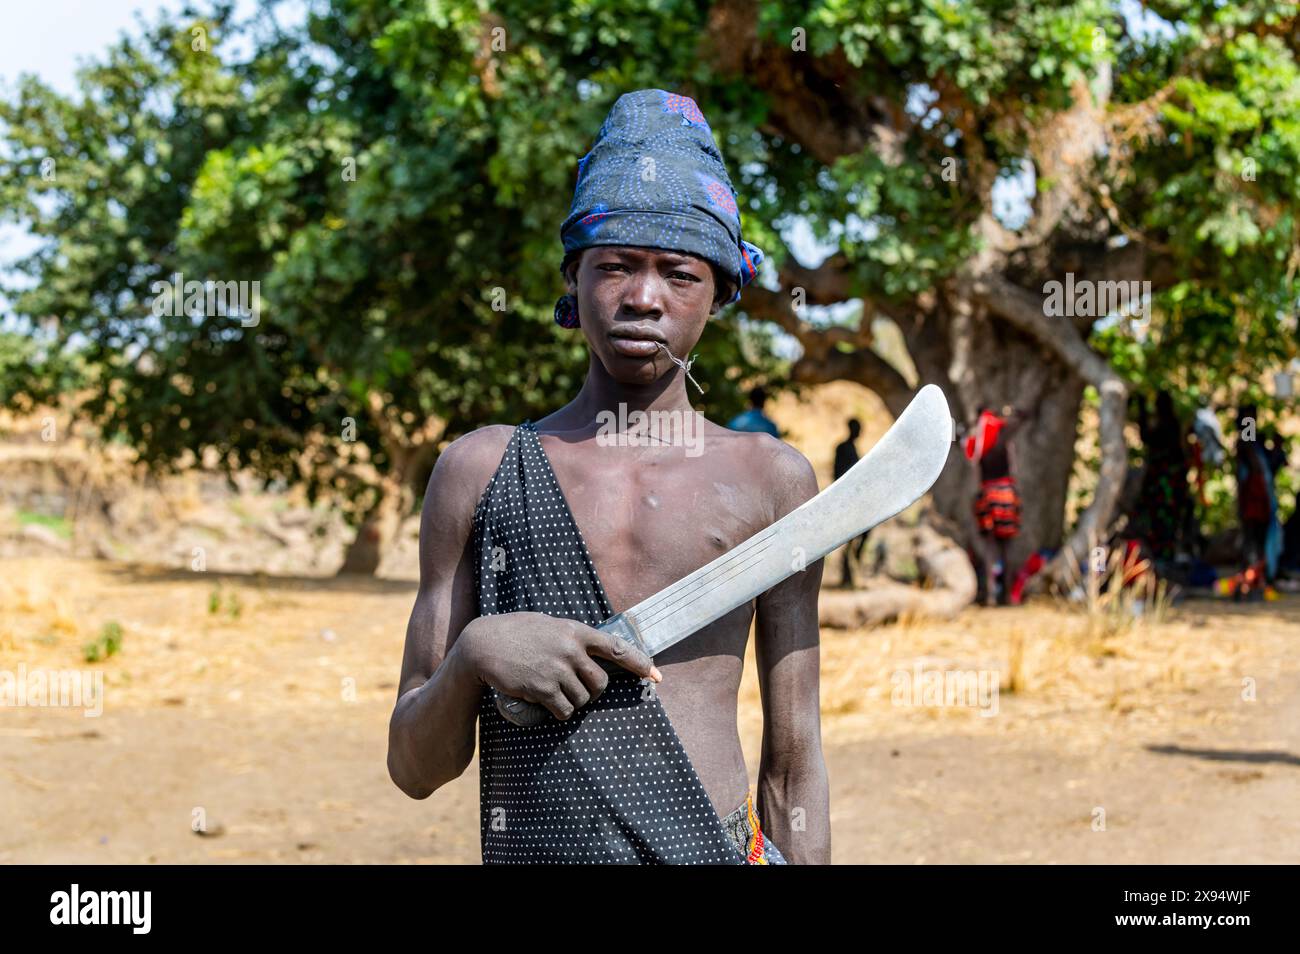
[{"x": 997, "y": 503}]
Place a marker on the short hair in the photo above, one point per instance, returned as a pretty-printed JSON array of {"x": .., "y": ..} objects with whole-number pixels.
[
  {"x": 757, "y": 396},
  {"x": 855, "y": 426},
  {"x": 569, "y": 261},
  {"x": 724, "y": 289}
]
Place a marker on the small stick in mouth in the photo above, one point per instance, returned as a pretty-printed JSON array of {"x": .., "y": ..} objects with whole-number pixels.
[{"x": 684, "y": 365}]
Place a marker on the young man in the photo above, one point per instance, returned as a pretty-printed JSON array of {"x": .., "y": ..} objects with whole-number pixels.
[{"x": 532, "y": 535}]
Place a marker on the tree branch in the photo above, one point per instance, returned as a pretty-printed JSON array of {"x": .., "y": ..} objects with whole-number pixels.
[{"x": 816, "y": 101}]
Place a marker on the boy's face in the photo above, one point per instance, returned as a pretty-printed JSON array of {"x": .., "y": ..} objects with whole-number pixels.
[{"x": 630, "y": 297}]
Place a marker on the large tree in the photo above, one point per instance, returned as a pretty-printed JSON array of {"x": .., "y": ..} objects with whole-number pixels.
[
  {"x": 402, "y": 228},
  {"x": 1169, "y": 153}
]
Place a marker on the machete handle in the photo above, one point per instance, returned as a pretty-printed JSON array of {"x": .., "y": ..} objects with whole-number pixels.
[
  {"x": 519, "y": 712},
  {"x": 528, "y": 714}
]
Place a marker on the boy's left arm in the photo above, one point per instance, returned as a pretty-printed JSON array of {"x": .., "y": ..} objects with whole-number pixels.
[{"x": 793, "y": 788}]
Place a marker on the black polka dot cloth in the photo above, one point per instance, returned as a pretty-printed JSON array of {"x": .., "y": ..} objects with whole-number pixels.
[{"x": 612, "y": 784}]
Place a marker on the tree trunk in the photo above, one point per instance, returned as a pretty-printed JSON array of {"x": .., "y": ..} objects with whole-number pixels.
[
  {"x": 377, "y": 530},
  {"x": 1026, "y": 357},
  {"x": 980, "y": 362},
  {"x": 409, "y": 452},
  {"x": 1042, "y": 451},
  {"x": 943, "y": 565}
]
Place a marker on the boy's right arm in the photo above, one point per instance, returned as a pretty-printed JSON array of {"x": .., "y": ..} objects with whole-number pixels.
[{"x": 431, "y": 733}]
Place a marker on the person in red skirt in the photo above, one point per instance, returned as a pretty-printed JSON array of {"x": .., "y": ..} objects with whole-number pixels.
[{"x": 997, "y": 505}]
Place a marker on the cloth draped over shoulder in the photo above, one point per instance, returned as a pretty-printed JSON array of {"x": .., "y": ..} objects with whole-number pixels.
[{"x": 612, "y": 784}]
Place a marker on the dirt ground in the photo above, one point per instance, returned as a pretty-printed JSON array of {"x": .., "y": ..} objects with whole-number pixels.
[{"x": 260, "y": 705}]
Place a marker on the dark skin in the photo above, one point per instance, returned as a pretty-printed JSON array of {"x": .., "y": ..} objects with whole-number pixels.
[{"x": 649, "y": 515}]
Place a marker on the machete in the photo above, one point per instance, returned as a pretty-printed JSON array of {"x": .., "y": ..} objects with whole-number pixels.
[{"x": 894, "y": 474}]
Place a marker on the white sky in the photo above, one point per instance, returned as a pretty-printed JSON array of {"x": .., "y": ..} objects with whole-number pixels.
[{"x": 51, "y": 38}]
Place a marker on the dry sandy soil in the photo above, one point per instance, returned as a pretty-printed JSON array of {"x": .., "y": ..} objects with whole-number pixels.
[
  {"x": 263, "y": 702},
  {"x": 259, "y": 703}
]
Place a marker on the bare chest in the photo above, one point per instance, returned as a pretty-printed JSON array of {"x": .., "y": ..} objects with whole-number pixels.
[{"x": 649, "y": 516}]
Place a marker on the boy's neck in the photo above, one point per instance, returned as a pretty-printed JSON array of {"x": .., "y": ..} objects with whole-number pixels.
[{"x": 600, "y": 392}]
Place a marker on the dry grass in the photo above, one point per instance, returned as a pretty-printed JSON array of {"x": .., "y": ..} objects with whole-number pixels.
[
  {"x": 1067, "y": 674},
  {"x": 1117, "y": 594},
  {"x": 269, "y": 643},
  {"x": 294, "y": 642},
  {"x": 34, "y": 594}
]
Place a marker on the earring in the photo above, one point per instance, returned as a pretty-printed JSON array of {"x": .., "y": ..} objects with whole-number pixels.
[{"x": 566, "y": 312}]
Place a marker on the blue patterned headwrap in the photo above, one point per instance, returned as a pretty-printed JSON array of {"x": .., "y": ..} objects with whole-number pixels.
[{"x": 654, "y": 178}]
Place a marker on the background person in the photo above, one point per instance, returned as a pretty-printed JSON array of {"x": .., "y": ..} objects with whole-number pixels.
[{"x": 754, "y": 419}]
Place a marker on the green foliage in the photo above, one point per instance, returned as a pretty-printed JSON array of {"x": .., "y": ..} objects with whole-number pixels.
[
  {"x": 234, "y": 605},
  {"x": 402, "y": 223},
  {"x": 109, "y": 643},
  {"x": 396, "y": 186},
  {"x": 1216, "y": 191},
  {"x": 34, "y": 370},
  {"x": 986, "y": 50}
]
